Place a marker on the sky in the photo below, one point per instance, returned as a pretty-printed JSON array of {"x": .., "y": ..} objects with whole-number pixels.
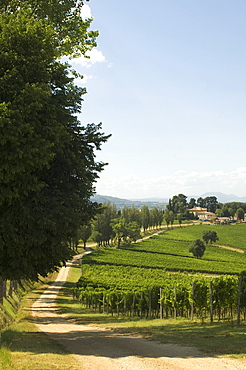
[{"x": 168, "y": 81}]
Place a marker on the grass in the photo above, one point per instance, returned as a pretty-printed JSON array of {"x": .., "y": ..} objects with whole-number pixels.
[
  {"x": 218, "y": 339},
  {"x": 170, "y": 252},
  {"x": 23, "y": 347},
  {"x": 231, "y": 235}
]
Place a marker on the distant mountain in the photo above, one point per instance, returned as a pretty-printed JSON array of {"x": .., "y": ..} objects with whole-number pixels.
[
  {"x": 120, "y": 203},
  {"x": 161, "y": 203},
  {"x": 153, "y": 199},
  {"x": 224, "y": 198}
]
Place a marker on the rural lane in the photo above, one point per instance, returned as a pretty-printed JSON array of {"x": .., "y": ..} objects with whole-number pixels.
[{"x": 99, "y": 349}]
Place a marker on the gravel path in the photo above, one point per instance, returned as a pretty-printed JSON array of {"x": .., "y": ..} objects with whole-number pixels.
[{"x": 98, "y": 349}]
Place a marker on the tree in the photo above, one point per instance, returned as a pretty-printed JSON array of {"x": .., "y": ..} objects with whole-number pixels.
[
  {"x": 120, "y": 229},
  {"x": 145, "y": 218},
  {"x": 84, "y": 233},
  {"x": 125, "y": 231},
  {"x": 48, "y": 166},
  {"x": 240, "y": 214},
  {"x": 171, "y": 217},
  {"x": 192, "y": 203},
  {"x": 200, "y": 202},
  {"x": 210, "y": 236},
  {"x": 156, "y": 217},
  {"x": 72, "y": 34},
  {"x": 132, "y": 214},
  {"x": 197, "y": 248},
  {"x": 102, "y": 225},
  {"x": 167, "y": 217},
  {"x": 178, "y": 204},
  {"x": 211, "y": 203},
  {"x": 179, "y": 218},
  {"x": 133, "y": 231}
]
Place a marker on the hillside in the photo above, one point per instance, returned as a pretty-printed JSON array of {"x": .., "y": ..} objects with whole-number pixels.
[
  {"x": 120, "y": 203},
  {"x": 161, "y": 203}
]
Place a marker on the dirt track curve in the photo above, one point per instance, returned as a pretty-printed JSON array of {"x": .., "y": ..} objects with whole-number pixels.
[{"x": 98, "y": 349}]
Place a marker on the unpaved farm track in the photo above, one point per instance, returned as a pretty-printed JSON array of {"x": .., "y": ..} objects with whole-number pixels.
[{"x": 98, "y": 349}]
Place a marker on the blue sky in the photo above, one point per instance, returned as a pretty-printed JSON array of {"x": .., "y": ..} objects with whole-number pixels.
[{"x": 168, "y": 81}]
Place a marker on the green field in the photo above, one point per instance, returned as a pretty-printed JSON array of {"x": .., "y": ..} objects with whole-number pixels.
[
  {"x": 170, "y": 252},
  {"x": 160, "y": 275},
  {"x": 231, "y": 235}
]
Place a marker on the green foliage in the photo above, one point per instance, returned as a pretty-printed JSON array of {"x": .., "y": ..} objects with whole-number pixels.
[
  {"x": 125, "y": 231},
  {"x": 145, "y": 217},
  {"x": 240, "y": 214},
  {"x": 48, "y": 166},
  {"x": 231, "y": 235},
  {"x": 134, "y": 274},
  {"x": 71, "y": 34},
  {"x": 209, "y": 236},
  {"x": 197, "y": 248},
  {"x": 84, "y": 233},
  {"x": 102, "y": 225}
]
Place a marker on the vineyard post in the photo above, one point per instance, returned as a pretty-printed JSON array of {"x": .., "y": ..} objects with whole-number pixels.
[
  {"x": 103, "y": 302},
  {"x": 117, "y": 304},
  {"x": 125, "y": 306},
  {"x": 192, "y": 301},
  {"x": 150, "y": 303},
  {"x": 211, "y": 300},
  {"x": 141, "y": 311},
  {"x": 239, "y": 299},
  {"x": 133, "y": 304},
  {"x": 161, "y": 308},
  {"x": 175, "y": 298}
]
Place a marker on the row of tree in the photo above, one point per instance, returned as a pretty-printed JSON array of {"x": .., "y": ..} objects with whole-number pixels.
[
  {"x": 47, "y": 167},
  {"x": 111, "y": 225}
]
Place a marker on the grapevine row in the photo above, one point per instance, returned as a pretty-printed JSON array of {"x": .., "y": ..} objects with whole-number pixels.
[{"x": 201, "y": 297}]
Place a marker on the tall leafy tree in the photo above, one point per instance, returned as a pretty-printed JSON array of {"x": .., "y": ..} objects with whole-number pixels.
[
  {"x": 240, "y": 214},
  {"x": 145, "y": 218},
  {"x": 200, "y": 202},
  {"x": 211, "y": 203},
  {"x": 210, "y": 236},
  {"x": 192, "y": 203},
  {"x": 102, "y": 225},
  {"x": 197, "y": 248},
  {"x": 84, "y": 233},
  {"x": 48, "y": 167}
]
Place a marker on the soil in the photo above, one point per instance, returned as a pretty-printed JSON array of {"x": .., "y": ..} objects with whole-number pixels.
[{"x": 99, "y": 349}]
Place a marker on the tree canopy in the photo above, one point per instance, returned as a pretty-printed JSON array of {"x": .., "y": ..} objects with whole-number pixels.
[
  {"x": 197, "y": 248},
  {"x": 210, "y": 236},
  {"x": 48, "y": 167}
]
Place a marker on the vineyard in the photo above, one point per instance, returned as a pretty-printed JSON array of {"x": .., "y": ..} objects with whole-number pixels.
[
  {"x": 159, "y": 278},
  {"x": 231, "y": 235}
]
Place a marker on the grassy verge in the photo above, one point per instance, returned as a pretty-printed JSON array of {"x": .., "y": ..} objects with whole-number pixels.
[
  {"x": 23, "y": 347},
  {"x": 218, "y": 339}
]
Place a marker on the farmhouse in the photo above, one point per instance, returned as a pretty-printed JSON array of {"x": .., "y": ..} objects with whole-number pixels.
[{"x": 202, "y": 213}]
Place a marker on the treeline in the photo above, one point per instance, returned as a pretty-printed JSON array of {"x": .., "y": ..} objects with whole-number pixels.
[
  {"x": 111, "y": 226},
  {"x": 180, "y": 207}
]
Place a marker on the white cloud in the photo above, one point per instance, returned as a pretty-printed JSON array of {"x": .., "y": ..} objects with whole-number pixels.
[
  {"x": 95, "y": 56},
  {"x": 83, "y": 81},
  {"x": 85, "y": 12},
  {"x": 188, "y": 183}
]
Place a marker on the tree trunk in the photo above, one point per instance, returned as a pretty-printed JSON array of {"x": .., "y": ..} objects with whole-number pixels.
[{"x": 2, "y": 290}]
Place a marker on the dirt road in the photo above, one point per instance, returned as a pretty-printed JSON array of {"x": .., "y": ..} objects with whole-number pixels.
[{"x": 98, "y": 349}]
